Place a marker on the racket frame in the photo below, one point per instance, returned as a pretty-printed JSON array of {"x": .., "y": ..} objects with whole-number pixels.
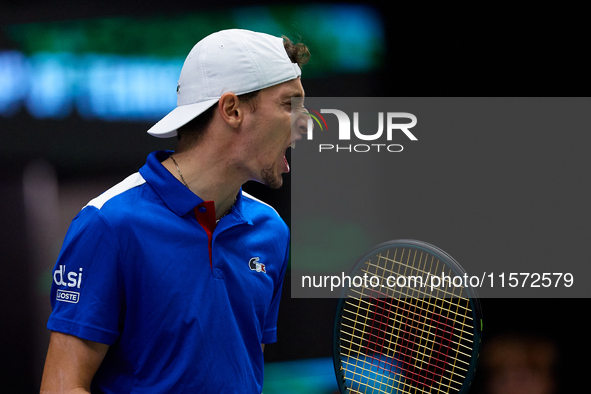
[{"x": 456, "y": 269}]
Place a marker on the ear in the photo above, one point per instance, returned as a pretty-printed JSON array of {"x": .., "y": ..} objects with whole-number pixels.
[{"x": 231, "y": 110}]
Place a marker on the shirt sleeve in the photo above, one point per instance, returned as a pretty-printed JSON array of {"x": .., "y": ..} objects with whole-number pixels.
[
  {"x": 270, "y": 332},
  {"x": 87, "y": 295}
]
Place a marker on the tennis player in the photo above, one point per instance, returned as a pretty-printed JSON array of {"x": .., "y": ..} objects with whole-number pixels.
[{"x": 170, "y": 281}]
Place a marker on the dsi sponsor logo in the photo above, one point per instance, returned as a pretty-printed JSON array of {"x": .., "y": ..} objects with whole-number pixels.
[
  {"x": 70, "y": 279},
  {"x": 74, "y": 279}
]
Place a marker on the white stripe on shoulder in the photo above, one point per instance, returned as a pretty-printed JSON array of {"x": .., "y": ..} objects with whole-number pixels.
[
  {"x": 128, "y": 183},
  {"x": 245, "y": 194}
]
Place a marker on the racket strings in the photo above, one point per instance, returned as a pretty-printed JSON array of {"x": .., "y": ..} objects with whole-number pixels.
[
  {"x": 406, "y": 364},
  {"x": 416, "y": 313},
  {"x": 404, "y": 336},
  {"x": 424, "y": 288},
  {"x": 425, "y": 333},
  {"x": 437, "y": 342},
  {"x": 424, "y": 281},
  {"x": 429, "y": 338}
]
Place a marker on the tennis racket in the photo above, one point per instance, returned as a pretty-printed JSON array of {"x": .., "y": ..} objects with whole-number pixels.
[{"x": 405, "y": 323}]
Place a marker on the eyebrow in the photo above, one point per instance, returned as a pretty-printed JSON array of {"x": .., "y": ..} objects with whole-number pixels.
[
  {"x": 294, "y": 93},
  {"x": 297, "y": 94}
]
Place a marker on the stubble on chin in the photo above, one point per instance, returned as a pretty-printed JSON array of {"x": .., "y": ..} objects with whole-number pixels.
[{"x": 270, "y": 179}]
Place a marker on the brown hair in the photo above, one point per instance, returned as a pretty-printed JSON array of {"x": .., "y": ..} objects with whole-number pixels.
[{"x": 298, "y": 53}]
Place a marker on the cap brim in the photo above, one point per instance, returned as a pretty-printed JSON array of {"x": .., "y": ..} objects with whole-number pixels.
[{"x": 178, "y": 117}]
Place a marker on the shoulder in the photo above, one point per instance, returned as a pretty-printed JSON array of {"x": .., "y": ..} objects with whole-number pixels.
[
  {"x": 119, "y": 190},
  {"x": 118, "y": 207},
  {"x": 259, "y": 207},
  {"x": 261, "y": 212}
]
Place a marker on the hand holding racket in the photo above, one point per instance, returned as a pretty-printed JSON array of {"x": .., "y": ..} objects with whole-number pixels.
[{"x": 396, "y": 331}]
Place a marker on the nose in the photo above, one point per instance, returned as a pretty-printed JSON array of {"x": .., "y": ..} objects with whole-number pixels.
[
  {"x": 300, "y": 126},
  {"x": 299, "y": 122}
]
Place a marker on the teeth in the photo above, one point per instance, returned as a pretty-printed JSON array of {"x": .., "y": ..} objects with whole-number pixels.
[{"x": 293, "y": 145}]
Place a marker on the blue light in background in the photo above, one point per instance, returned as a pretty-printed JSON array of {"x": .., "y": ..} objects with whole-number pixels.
[
  {"x": 354, "y": 33},
  {"x": 13, "y": 81},
  {"x": 122, "y": 88},
  {"x": 142, "y": 87},
  {"x": 98, "y": 86},
  {"x": 315, "y": 375},
  {"x": 50, "y": 83}
]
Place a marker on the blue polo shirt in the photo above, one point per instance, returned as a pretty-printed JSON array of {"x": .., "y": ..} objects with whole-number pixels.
[{"x": 182, "y": 311}]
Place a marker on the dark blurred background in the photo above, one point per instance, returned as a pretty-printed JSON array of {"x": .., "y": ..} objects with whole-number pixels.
[{"x": 76, "y": 82}]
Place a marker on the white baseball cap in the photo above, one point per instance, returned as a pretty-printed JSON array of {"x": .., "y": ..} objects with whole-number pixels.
[{"x": 235, "y": 60}]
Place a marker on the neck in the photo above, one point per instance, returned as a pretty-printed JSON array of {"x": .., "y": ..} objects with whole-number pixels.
[{"x": 207, "y": 175}]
